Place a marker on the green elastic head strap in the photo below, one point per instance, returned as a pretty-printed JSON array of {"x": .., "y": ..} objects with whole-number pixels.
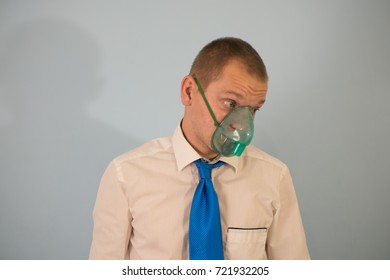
[{"x": 207, "y": 103}]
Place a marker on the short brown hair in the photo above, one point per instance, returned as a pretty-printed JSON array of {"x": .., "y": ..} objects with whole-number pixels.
[{"x": 212, "y": 58}]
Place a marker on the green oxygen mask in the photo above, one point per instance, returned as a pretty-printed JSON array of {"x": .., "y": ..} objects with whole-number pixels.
[{"x": 234, "y": 132}]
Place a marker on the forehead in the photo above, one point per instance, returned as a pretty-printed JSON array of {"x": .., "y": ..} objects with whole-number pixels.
[
  {"x": 236, "y": 79},
  {"x": 237, "y": 67}
]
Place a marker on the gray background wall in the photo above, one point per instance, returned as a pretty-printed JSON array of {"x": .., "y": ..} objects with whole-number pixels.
[{"x": 83, "y": 81}]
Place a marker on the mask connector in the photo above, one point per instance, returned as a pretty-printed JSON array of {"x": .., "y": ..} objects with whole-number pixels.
[{"x": 238, "y": 149}]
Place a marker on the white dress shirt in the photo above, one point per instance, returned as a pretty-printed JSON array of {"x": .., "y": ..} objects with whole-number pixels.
[{"x": 144, "y": 199}]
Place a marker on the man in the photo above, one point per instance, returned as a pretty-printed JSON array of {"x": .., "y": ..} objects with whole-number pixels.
[{"x": 158, "y": 202}]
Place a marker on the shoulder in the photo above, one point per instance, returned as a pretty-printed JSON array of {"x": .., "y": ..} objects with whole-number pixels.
[
  {"x": 256, "y": 155},
  {"x": 155, "y": 148},
  {"x": 266, "y": 167}
]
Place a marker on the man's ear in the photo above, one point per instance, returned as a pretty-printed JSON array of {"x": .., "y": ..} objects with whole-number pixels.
[{"x": 187, "y": 90}]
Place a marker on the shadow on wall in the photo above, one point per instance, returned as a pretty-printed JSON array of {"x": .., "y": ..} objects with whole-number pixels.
[{"x": 51, "y": 154}]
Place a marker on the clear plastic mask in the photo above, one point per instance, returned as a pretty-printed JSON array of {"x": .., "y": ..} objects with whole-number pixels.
[{"x": 234, "y": 132}]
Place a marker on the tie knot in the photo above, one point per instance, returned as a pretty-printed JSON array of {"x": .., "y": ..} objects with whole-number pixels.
[{"x": 204, "y": 168}]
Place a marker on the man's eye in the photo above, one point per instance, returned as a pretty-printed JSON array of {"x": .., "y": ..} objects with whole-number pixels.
[{"x": 230, "y": 104}]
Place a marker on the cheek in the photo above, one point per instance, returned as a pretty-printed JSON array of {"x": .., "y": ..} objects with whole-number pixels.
[
  {"x": 204, "y": 122},
  {"x": 206, "y": 125}
]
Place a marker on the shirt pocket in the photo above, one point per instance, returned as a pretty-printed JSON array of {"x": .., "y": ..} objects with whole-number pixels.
[{"x": 246, "y": 244}]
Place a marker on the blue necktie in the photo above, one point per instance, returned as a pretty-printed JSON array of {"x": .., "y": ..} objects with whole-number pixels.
[{"x": 205, "y": 235}]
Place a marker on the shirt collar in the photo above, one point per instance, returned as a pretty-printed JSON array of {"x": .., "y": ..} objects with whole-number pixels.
[{"x": 185, "y": 154}]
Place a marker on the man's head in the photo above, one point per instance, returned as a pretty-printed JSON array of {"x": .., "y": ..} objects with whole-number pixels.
[
  {"x": 231, "y": 74},
  {"x": 211, "y": 60}
]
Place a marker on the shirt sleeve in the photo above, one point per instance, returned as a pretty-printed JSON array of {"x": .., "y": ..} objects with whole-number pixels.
[
  {"x": 112, "y": 218},
  {"x": 286, "y": 236}
]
